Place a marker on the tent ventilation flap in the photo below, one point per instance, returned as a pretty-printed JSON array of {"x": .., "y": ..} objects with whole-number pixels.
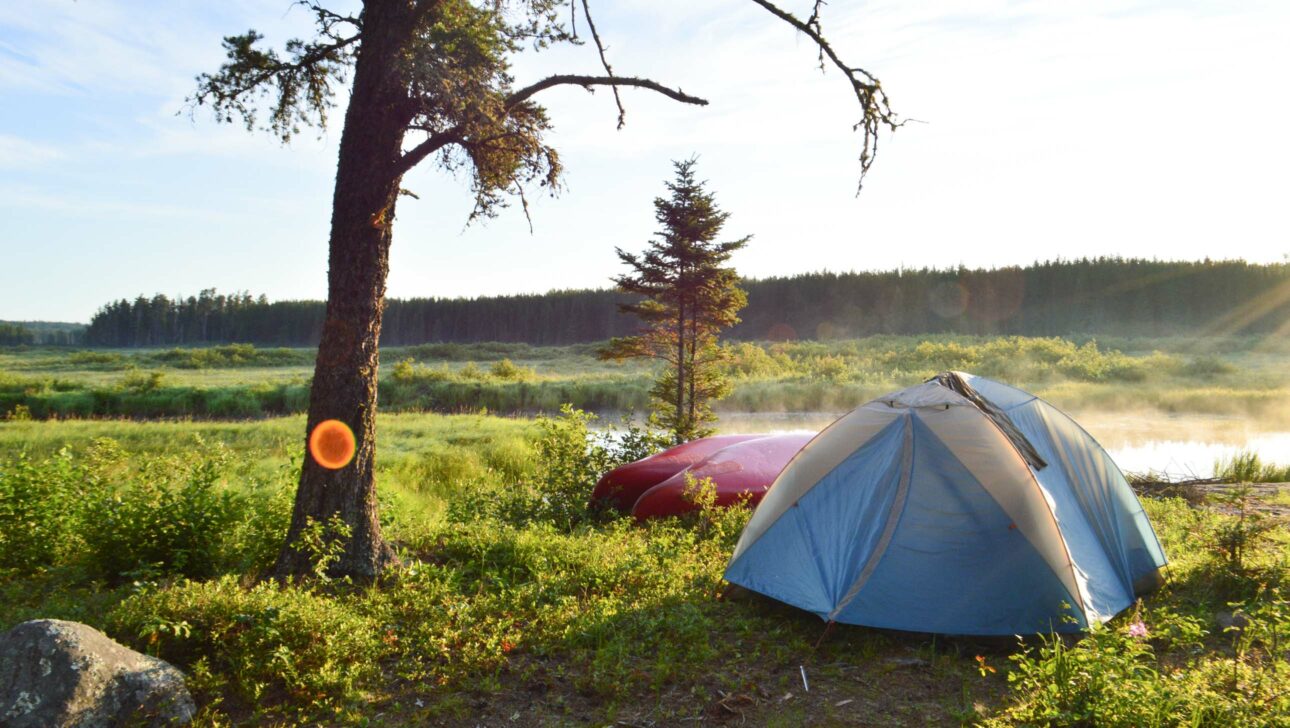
[{"x": 955, "y": 383}]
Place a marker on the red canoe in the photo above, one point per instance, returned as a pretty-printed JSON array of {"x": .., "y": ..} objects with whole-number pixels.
[
  {"x": 746, "y": 467},
  {"x": 621, "y": 486}
]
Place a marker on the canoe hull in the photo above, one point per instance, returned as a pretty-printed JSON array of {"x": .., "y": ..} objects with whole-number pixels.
[
  {"x": 742, "y": 470},
  {"x": 621, "y": 487}
]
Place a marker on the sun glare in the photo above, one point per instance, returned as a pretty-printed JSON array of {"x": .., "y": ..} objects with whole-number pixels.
[{"x": 332, "y": 444}]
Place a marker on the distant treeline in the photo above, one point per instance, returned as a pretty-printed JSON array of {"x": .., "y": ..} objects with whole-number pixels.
[
  {"x": 41, "y": 333},
  {"x": 1108, "y": 296}
]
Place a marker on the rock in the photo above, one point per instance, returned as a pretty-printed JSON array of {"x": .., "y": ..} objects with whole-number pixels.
[
  {"x": 1232, "y": 621},
  {"x": 55, "y": 673},
  {"x": 898, "y": 662}
]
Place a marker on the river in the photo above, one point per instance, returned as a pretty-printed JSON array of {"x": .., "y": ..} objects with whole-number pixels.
[{"x": 1180, "y": 446}]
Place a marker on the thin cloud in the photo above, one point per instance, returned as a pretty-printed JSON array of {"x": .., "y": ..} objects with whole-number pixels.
[{"x": 19, "y": 153}]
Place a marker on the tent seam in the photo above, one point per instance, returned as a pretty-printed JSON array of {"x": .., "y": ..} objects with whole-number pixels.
[
  {"x": 893, "y": 519},
  {"x": 1034, "y": 397},
  {"x": 1048, "y": 508}
]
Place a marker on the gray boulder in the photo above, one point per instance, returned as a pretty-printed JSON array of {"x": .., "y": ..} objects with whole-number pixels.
[{"x": 56, "y": 673}]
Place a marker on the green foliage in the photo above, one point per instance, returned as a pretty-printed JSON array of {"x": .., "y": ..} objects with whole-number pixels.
[
  {"x": 15, "y": 335},
  {"x": 171, "y": 518},
  {"x": 786, "y": 376},
  {"x": 570, "y": 459},
  {"x": 507, "y": 371},
  {"x": 605, "y": 620},
  {"x": 324, "y": 542},
  {"x": 1237, "y": 536},
  {"x": 142, "y": 382},
  {"x": 98, "y": 359},
  {"x": 229, "y": 356},
  {"x": 40, "y": 511},
  {"x": 269, "y": 647},
  {"x": 19, "y": 413},
  {"x": 1247, "y": 467},
  {"x": 1113, "y": 676},
  {"x": 144, "y": 518},
  {"x": 721, "y": 523},
  {"x": 1207, "y": 366}
]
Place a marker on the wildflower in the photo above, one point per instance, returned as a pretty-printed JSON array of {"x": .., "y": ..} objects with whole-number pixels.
[
  {"x": 982, "y": 667},
  {"x": 1138, "y": 630}
]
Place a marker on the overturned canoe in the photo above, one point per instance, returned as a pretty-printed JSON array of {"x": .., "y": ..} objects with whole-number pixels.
[
  {"x": 620, "y": 487},
  {"x": 743, "y": 468}
]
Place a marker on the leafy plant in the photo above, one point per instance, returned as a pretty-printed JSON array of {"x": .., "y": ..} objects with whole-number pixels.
[
  {"x": 141, "y": 382},
  {"x": 324, "y": 542}
]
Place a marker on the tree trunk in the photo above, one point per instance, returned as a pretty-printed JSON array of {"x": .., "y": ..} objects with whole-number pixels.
[
  {"x": 679, "y": 418},
  {"x": 344, "y": 384},
  {"x": 692, "y": 355}
]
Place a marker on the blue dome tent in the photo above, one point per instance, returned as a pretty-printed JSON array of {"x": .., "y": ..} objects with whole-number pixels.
[{"x": 958, "y": 506}]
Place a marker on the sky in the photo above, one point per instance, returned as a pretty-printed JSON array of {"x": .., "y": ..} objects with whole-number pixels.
[{"x": 1037, "y": 130}]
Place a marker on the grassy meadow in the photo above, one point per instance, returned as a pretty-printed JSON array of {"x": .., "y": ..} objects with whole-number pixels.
[
  {"x": 1225, "y": 376},
  {"x": 515, "y": 606}
]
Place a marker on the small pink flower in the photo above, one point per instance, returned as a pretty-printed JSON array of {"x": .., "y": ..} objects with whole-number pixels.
[{"x": 1138, "y": 630}]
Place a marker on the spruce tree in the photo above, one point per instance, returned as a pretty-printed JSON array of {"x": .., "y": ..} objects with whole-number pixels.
[{"x": 689, "y": 295}]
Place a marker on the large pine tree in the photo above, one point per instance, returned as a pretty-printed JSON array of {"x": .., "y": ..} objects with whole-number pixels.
[{"x": 689, "y": 295}]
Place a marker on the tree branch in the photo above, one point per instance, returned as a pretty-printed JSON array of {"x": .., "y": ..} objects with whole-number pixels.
[
  {"x": 328, "y": 19},
  {"x": 434, "y": 143},
  {"x": 868, "y": 90},
  {"x": 210, "y": 86},
  {"x": 587, "y": 82},
  {"x": 609, "y": 71}
]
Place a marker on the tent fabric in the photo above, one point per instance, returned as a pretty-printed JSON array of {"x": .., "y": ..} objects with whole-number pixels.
[{"x": 917, "y": 511}]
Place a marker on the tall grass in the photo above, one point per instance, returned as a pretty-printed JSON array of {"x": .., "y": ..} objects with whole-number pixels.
[
  {"x": 239, "y": 381},
  {"x": 1247, "y": 467}
]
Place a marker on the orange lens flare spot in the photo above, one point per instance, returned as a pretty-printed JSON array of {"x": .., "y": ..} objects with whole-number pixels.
[{"x": 332, "y": 444}]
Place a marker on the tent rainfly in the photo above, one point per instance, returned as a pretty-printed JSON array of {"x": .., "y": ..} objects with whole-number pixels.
[{"x": 958, "y": 506}]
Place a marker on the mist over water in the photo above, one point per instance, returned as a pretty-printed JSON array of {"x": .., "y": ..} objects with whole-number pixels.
[{"x": 1177, "y": 445}]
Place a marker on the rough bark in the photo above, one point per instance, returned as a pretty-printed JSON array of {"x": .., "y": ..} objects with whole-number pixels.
[
  {"x": 345, "y": 373},
  {"x": 680, "y": 374}
]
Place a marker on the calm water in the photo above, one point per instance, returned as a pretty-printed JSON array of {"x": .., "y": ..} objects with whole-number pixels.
[{"x": 1181, "y": 446}]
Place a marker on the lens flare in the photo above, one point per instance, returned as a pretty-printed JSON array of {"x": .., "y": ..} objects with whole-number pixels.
[{"x": 332, "y": 444}]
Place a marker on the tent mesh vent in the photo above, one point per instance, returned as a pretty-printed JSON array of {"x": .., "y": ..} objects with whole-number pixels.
[{"x": 954, "y": 382}]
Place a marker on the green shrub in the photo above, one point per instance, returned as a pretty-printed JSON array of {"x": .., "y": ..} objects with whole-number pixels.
[
  {"x": 170, "y": 518},
  {"x": 39, "y": 511},
  {"x": 97, "y": 359},
  {"x": 749, "y": 361},
  {"x": 508, "y": 371},
  {"x": 117, "y": 518},
  {"x": 230, "y": 356},
  {"x": 570, "y": 459},
  {"x": 141, "y": 382},
  {"x": 19, "y": 413},
  {"x": 1203, "y": 367},
  {"x": 261, "y": 644},
  {"x": 1112, "y": 676}
]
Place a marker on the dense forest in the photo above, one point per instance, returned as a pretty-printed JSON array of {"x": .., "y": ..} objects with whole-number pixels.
[
  {"x": 46, "y": 333},
  {"x": 1106, "y": 296}
]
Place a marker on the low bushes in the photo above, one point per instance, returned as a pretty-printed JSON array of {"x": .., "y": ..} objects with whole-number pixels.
[
  {"x": 1114, "y": 676},
  {"x": 113, "y": 520},
  {"x": 263, "y": 646},
  {"x": 518, "y": 596}
]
